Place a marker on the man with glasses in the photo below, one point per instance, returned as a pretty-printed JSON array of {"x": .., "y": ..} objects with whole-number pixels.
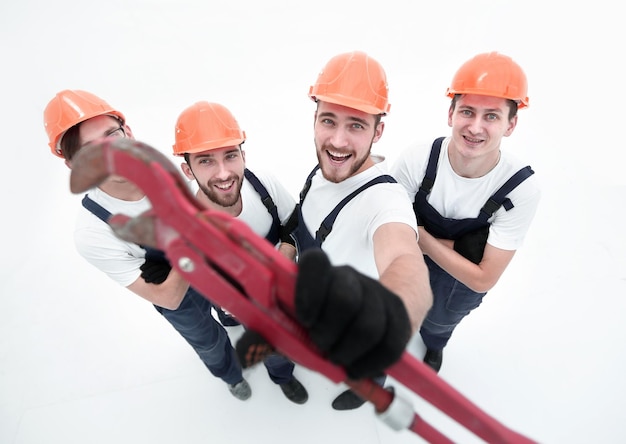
[{"x": 72, "y": 119}]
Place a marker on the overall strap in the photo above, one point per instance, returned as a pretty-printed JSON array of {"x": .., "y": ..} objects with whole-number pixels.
[
  {"x": 431, "y": 169},
  {"x": 327, "y": 224},
  {"x": 307, "y": 184},
  {"x": 96, "y": 209},
  {"x": 499, "y": 198},
  {"x": 265, "y": 195},
  {"x": 267, "y": 200},
  {"x": 294, "y": 219}
]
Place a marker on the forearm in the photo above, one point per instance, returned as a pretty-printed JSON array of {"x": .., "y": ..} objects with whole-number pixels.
[
  {"x": 407, "y": 277},
  {"x": 402, "y": 269},
  {"x": 478, "y": 277},
  {"x": 454, "y": 264}
]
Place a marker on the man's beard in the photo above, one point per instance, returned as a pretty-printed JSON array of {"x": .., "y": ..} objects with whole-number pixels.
[
  {"x": 334, "y": 177},
  {"x": 219, "y": 198}
]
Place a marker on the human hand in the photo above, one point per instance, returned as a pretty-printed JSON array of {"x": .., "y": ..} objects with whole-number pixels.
[
  {"x": 252, "y": 348},
  {"x": 472, "y": 245},
  {"x": 155, "y": 271},
  {"x": 355, "y": 320}
]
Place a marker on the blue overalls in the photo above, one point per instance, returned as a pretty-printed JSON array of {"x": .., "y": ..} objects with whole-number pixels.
[
  {"x": 303, "y": 237},
  {"x": 305, "y": 240},
  {"x": 452, "y": 299},
  {"x": 194, "y": 321}
]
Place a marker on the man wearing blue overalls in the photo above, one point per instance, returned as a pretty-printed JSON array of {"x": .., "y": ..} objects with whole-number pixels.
[
  {"x": 474, "y": 202},
  {"x": 363, "y": 287},
  {"x": 210, "y": 140}
]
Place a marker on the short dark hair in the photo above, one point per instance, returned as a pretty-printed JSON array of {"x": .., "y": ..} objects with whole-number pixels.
[
  {"x": 70, "y": 141},
  {"x": 512, "y": 105}
]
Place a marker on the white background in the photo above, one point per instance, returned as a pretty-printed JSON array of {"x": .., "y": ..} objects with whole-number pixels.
[{"x": 82, "y": 360}]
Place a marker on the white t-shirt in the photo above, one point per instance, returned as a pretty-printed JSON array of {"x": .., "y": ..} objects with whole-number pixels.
[
  {"x": 457, "y": 197},
  {"x": 120, "y": 260},
  {"x": 351, "y": 240},
  {"x": 96, "y": 242}
]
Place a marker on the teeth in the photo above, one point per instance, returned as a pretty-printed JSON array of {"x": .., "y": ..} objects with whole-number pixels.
[
  {"x": 224, "y": 186},
  {"x": 338, "y": 154}
]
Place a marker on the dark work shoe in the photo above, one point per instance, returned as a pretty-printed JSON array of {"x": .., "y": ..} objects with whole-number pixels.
[
  {"x": 226, "y": 319},
  {"x": 433, "y": 359},
  {"x": 348, "y": 400},
  {"x": 294, "y": 391}
]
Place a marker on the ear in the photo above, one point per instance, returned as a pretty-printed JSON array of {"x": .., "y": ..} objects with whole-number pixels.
[
  {"x": 378, "y": 132},
  {"x": 243, "y": 156},
  {"x": 187, "y": 171},
  {"x": 450, "y": 112},
  {"x": 68, "y": 164},
  {"x": 512, "y": 125}
]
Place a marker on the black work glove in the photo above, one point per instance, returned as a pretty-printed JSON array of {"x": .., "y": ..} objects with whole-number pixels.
[
  {"x": 155, "y": 271},
  {"x": 354, "y": 319},
  {"x": 252, "y": 348},
  {"x": 472, "y": 245}
]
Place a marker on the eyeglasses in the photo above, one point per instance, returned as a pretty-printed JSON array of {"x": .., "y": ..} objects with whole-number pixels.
[{"x": 117, "y": 133}]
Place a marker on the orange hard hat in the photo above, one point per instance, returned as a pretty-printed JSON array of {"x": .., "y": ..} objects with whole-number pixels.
[
  {"x": 491, "y": 74},
  {"x": 69, "y": 108},
  {"x": 206, "y": 126},
  {"x": 355, "y": 80}
]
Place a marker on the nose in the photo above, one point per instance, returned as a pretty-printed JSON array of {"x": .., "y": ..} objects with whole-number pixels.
[
  {"x": 339, "y": 138},
  {"x": 475, "y": 125},
  {"x": 221, "y": 172}
]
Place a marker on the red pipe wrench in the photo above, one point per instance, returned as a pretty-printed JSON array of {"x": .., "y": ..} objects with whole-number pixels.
[{"x": 225, "y": 260}]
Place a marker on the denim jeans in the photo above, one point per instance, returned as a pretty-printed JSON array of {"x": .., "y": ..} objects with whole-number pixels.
[
  {"x": 452, "y": 301},
  {"x": 279, "y": 368},
  {"x": 194, "y": 321}
]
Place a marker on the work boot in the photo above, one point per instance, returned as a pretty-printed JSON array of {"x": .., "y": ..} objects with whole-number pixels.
[
  {"x": 348, "y": 400},
  {"x": 433, "y": 359},
  {"x": 241, "y": 390},
  {"x": 294, "y": 391}
]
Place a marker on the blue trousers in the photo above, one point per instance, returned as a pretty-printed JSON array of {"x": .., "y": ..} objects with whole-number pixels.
[
  {"x": 452, "y": 301},
  {"x": 194, "y": 321}
]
